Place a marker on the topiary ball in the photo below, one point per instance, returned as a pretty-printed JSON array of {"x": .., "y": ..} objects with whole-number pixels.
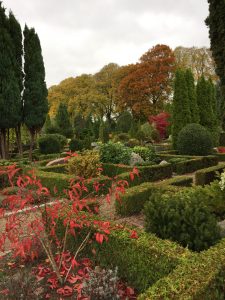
[
  {"x": 194, "y": 139},
  {"x": 49, "y": 144}
]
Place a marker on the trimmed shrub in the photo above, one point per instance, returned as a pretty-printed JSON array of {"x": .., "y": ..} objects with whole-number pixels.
[
  {"x": 62, "y": 168},
  {"x": 207, "y": 175},
  {"x": 146, "y": 153},
  {"x": 115, "y": 153},
  {"x": 78, "y": 145},
  {"x": 141, "y": 262},
  {"x": 191, "y": 165},
  {"x": 49, "y": 144},
  {"x": 132, "y": 143},
  {"x": 181, "y": 217},
  {"x": 85, "y": 165},
  {"x": 198, "y": 277},
  {"x": 194, "y": 139},
  {"x": 121, "y": 137}
]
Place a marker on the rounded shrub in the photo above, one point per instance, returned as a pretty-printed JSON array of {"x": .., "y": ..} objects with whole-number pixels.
[
  {"x": 194, "y": 139},
  {"x": 115, "y": 153},
  {"x": 61, "y": 138},
  {"x": 78, "y": 145},
  {"x": 146, "y": 153},
  {"x": 49, "y": 144},
  {"x": 85, "y": 165},
  {"x": 181, "y": 217}
]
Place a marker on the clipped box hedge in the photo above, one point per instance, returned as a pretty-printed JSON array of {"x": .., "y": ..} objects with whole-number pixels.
[
  {"x": 132, "y": 202},
  {"x": 195, "y": 164},
  {"x": 205, "y": 176},
  {"x": 55, "y": 169},
  {"x": 221, "y": 156},
  {"x": 200, "y": 277},
  {"x": 112, "y": 170},
  {"x": 141, "y": 262}
]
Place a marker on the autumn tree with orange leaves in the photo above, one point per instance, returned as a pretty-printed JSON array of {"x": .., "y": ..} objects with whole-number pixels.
[{"x": 149, "y": 84}]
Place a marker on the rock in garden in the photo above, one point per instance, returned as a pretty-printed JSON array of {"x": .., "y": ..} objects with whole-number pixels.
[
  {"x": 58, "y": 161},
  {"x": 163, "y": 162},
  {"x": 135, "y": 159}
]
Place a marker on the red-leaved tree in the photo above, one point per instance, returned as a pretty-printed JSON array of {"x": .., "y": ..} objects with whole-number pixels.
[
  {"x": 160, "y": 122},
  {"x": 29, "y": 225}
]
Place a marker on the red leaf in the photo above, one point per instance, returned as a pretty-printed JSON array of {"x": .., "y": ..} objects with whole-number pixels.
[
  {"x": 134, "y": 235},
  {"x": 65, "y": 291}
]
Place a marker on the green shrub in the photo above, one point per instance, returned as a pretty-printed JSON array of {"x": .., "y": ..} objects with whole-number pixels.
[
  {"x": 207, "y": 175},
  {"x": 192, "y": 165},
  {"x": 222, "y": 139},
  {"x": 61, "y": 138},
  {"x": 194, "y": 139},
  {"x": 115, "y": 153},
  {"x": 124, "y": 122},
  {"x": 121, "y": 137},
  {"x": 49, "y": 144},
  {"x": 181, "y": 217},
  {"x": 141, "y": 262},
  {"x": 61, "y": 168},
  {"x": 199, "y": 277},
  {"x": 78, "y": 144},
  {"x": 146, "y": 153},
  {"x": 85, "y": 165},
  {"x": 132, "y": 143}
]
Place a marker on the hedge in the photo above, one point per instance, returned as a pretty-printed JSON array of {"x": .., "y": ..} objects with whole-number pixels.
[
  {"x": 132, "y": 202},
  {"x": 205, "y": 176},
  {"x": 199, "y": 277},
  {"x": 221, "y": 156},
  {"x": 112, "y": 170},
  {"x": 56, "y": 169},
  {"x": 192, "y": 165},
  {"x": 61, "y": 182},
  {"x": 141, "y": 262}
]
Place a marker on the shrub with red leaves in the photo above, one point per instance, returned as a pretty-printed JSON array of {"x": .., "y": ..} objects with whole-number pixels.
[{"x": 160, "y": 122}]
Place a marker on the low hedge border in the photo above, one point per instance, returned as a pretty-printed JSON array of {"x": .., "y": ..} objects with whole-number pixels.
[
  {"x": 199, "y": 277},
  {"x": 207, "y": 175},
  {"x": 221, "y": 156},
  {"x": 114, "y": 169},
  {"x": 132, "y": 202},
  {"x": 193, "y": 165},
  {"x": 56, "y": 169},
  {"x": 141, "y": 262}
]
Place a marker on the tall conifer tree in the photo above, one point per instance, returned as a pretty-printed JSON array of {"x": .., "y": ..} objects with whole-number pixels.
[
  {"x": 181, "y": 109},
  {"x": 9, "y": 88},
  {"x": 62, "y": 121},
  {"x": 35, "y": 92},
  {"x": 194, "y": 110},
  {"x": 17, "y": 39}
]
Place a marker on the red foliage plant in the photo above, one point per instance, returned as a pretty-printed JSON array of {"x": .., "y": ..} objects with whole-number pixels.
[
  {"x": 160, "y": 122},
  {"x": 221, "y": 149},
  {"x": 31, "y": 225}
]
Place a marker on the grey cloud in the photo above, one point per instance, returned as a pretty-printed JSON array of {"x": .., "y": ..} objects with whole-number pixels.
[{"x": 80, "y": 36}]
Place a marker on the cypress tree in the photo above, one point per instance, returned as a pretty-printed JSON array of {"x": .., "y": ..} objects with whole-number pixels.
[
  {"x": 17, "y": 39},
  {"x": 181, "y": 109},
  {"x": 192, "y": 96},
  {"x": 62, "y": 121},
  {"x": 9, "y": 88},
  {"x": 216, "y": 24},
  {"x": 35, "y": 92},
  {"x": 48, "y": 125},
  {"x": 204, "y": 100}
]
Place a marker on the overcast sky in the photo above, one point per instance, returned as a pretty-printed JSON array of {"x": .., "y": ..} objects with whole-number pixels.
[{"x": 81, "y": 36}]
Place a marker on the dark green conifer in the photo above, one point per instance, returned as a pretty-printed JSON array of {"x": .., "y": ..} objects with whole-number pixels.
[
  {"x": 192, "y": 96},
  {"x": 35, "y": 92},
  {"x": 181, "y": 109},
  {"x": 62, "y": 121}
]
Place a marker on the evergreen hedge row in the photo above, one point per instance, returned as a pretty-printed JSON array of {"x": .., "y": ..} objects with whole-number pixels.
[
  {"x": 205, "y": 176},
  {"x": 132, "y": 202},
  {"x": 199, "y": 277},
  {"x": 141, "y": 262},
  {"x": 195, "y": 164}
]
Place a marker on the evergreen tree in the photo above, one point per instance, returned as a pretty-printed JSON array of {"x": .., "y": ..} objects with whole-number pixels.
[
  {"x": 192, "y": 96},
  {"x": 103, "y": 132},
  {"x": 48, "y": 125},
  {"x": 181, "y": 109},
  {"x": 9, "y": 87},
  {"x": 206, "y": 99},
  {"x": 62, "y": 121},
  {"x": 17, "y": 39},
  {"x": 124, "y": 122},
  {"x": 35, "y": 92}
]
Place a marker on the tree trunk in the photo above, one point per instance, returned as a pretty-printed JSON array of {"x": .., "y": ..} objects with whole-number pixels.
[
  {"x": 19, "y": 140},
  {"x": 32, "y": 138},
  {"x": 3, "y": 150}
]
